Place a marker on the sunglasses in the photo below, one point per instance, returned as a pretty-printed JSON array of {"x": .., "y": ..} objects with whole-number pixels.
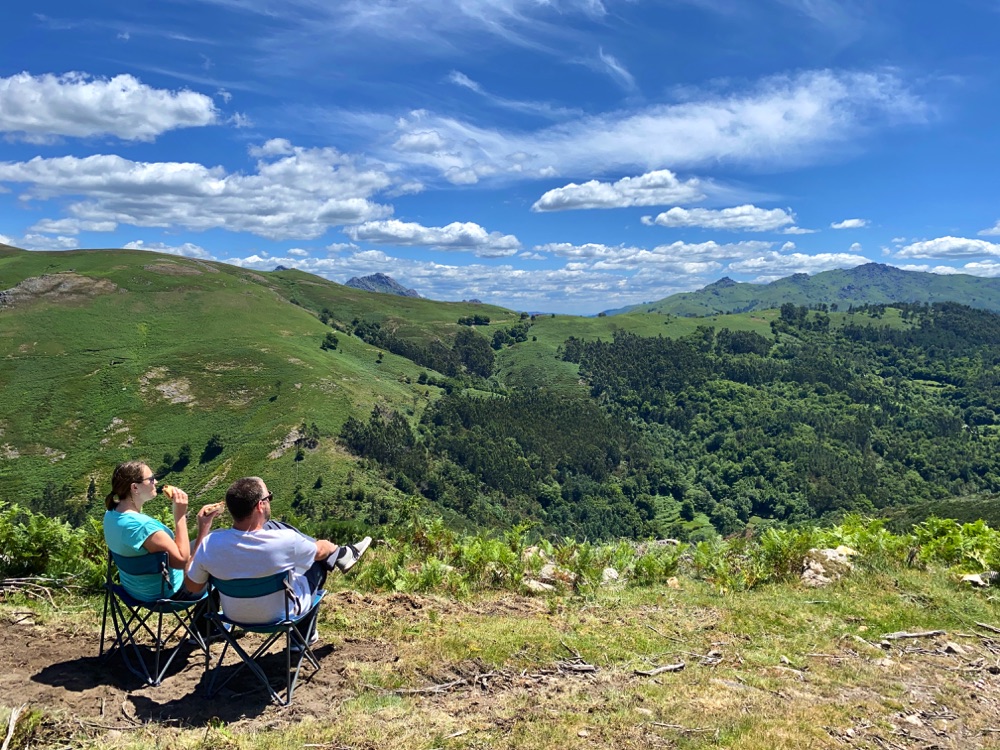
[
  {"x": 266, "y": 498},
  {"x": 151, "y": 480}
]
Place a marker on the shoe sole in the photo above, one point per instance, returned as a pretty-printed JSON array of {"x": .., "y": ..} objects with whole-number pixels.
[{"x": 357, "y": 555}]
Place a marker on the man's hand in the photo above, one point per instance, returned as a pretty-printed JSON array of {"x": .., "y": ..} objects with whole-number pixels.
[
  {"x": 207, "y": 515},
  {"x": 325, "y": 548}
]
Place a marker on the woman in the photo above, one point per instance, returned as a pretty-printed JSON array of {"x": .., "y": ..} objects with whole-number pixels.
[{"x": 130, "y": 532}]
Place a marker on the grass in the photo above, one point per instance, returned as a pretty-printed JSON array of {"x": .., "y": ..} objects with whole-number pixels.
[{"x": 777, "y": 667}]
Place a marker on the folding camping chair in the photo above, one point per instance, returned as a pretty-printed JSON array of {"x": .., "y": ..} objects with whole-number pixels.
[
  {"x": 131, "y": 619},
  {"x": 296, "y": 647}
]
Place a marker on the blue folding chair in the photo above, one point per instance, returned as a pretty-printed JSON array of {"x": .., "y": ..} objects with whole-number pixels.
[
  {"x": 131, "y": 619},
  {"x": 296, "y": 647}
]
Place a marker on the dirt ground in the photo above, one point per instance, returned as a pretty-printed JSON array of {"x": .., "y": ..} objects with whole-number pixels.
[
  {"x": 55, "y": 667},
  {"x": 943, "y": 694}
]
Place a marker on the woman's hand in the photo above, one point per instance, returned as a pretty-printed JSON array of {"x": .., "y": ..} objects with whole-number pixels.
[{"x": 179, "y": 498}]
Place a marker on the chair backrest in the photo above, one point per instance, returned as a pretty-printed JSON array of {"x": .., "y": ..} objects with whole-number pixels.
[
  {"x": 150, "y": 564},
  {"x": 251, "y": 588}
]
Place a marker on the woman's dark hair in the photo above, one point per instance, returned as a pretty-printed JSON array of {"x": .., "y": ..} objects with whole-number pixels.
[
  {"x": 121, "y": 482},
  {"x": 243, "y": 495}
]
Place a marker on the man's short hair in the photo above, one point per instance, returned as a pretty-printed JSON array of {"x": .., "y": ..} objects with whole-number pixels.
[{"x": 243, "y": 495}]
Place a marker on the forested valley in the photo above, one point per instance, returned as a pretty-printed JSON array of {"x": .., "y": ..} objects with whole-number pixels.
[{"x": 715, "y": 430}]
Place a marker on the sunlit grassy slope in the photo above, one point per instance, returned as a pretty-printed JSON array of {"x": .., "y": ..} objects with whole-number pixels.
[{"x": 115, "y": 354}]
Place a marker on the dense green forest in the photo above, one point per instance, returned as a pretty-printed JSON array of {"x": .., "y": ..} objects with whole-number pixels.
[{"x": 718, "y": 426}]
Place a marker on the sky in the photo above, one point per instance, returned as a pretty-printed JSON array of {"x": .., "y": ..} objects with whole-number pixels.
[{"x": 563, "y": 156}]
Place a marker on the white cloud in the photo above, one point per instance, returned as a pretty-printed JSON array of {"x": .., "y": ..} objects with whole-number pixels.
[
  {"x": 849, "y": 224},
  {"x": 787, "y": 246},
  {"x": 542, "y": 109},
  {"x": 773, "y": 265},
  {"x": 655, "y": 188},
  {"x": 454, "y": 236},
  {"x": 992, "y": 231},
  {"x": 855, "y": 247},
  {"x": 798, "y": 230},
  {"x": 571, "y": 288},
  {"x": 616, "y": 70},
  {"x": 33, "y": 241},
  {"x": 79, "y": 105},
  {"x": 784, "y": 120},
  {"x": 424, "y": 142},
  {"x": 72, "y": 226},
  {"x": 948, "y": 247},
  {"x": 703, "y": 255},
  {"x": 296, "y": 193},
  {"x": 298, "y": 252},
  {"x": 739, "y": 218},
  {"x": 943, "y": 270},
  {"x": 187, "y": 249},
  {"x": 898, "y": 240}
]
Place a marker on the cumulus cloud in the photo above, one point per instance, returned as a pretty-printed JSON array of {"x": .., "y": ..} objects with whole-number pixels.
[
  {"x": 32, "y": 241},
  {"x": 849, "y": 224},
  {"x": 855, "y": 247},
  {"x": 187, "y": 249},
  {"x": 739, "y": 218},
  {"x": 298, "y": 252},
  {"x": 798, "y": 230},
  {"x": 295, "y": 193},
  {"x": 454, "y": 236},
  {"x": 992, "y": 231},
  {"x": 572, "y": 288},
  {"x": 680, "y": 256},
  {"x": 774, "y": 265},
  {"x": 948, "y": 247},
  {"x": 79, "y": 105},
  {"x": 782, "y": 120},
  {"x": 72, "y": 226},
  {"x": 943, "y": 270},
  {"x": 656, "y": 188}
]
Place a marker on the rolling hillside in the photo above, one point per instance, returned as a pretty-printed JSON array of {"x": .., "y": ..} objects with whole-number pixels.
[{"x": 873, "y": 283}]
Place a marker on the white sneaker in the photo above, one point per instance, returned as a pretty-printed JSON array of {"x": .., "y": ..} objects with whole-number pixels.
[{"x": 349, "y": 554}]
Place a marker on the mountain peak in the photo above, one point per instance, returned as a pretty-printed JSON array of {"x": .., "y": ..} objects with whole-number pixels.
[{"x": 380, "y": 282}]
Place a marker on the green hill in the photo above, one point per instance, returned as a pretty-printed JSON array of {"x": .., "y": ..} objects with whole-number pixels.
[
  {"x": 365, "y": 409},
  {"x": 106, "y": 355},
  {"x": 872, "y": 283}
]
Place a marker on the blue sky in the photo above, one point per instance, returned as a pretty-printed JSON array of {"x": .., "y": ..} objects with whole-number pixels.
[{"x": 545, "y": 155}]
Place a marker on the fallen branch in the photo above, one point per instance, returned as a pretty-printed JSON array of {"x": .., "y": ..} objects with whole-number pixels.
[
  {"x": 991, "y": 628},
  {"x": 15, "y": 714},
  {"x": 681, "y": 727},
  {"x": 904, "y": 634},
  {"x": 442, "y": 688},
  {"x": 660, "y": 670}
]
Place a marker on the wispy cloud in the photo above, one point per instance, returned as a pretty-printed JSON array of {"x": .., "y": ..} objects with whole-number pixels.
[
  {"x": 616, "y": 70},
  {"x": 992, "y": 231},
  {"x": 541, "y": 109},
  {"x": 781, "y": 121}
]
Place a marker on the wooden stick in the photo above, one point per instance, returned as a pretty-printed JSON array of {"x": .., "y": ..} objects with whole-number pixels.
[
  {"x": 660, "y": 670},
  {"x": 904, "y": 634},
  {"x": 984, "y": 626},
  {"x": 15, "y": 714}
]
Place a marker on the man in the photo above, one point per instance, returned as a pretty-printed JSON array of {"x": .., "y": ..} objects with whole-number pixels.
[{"x": 256, "y": 546}]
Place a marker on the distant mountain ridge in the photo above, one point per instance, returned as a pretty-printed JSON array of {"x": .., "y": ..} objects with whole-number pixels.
[
  {"x": 872, "y": 283},
  {"x": 379, "y": 282}
]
